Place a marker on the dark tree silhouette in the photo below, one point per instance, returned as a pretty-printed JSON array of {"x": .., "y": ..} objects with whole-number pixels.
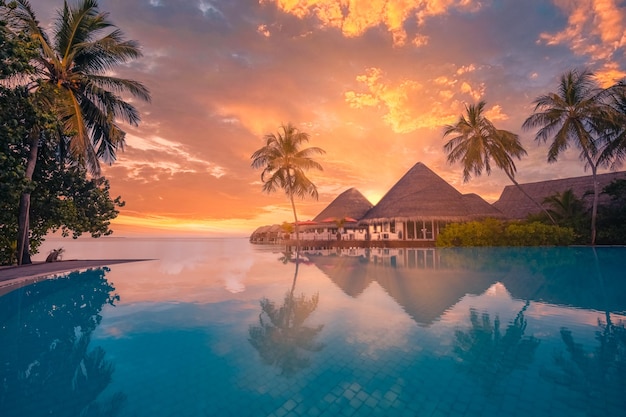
[
  {"x": 490, "y": 356},
  {"x": 46, "y": 364},
  {"x": 280, "y": 337}
]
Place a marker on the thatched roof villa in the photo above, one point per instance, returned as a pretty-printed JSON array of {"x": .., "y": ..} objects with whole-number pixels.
[
  {"x": 515, "y": 205},
  {"x": 419, "y": 204}
]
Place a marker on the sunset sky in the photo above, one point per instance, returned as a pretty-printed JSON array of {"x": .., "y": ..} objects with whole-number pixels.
[{"x": 372, "y": 81}]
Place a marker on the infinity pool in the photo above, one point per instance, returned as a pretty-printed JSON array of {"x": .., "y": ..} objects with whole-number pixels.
[{"x": 219, "y": 327}]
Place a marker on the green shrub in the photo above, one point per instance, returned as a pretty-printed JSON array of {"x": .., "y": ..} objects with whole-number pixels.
[{"x": 492, "y": 232}]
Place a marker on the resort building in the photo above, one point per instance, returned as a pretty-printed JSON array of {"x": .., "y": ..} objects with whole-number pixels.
[
  {"x": 410, "y": 214},
  {"x": 418, "y": 206},
  {"x": 339, "y": 220}
]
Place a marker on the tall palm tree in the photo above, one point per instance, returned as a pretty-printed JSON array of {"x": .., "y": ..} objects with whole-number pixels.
[
  {"x": 284, "y": 163},
  {"x": 72, "y": 81},
  {"x": 579, "y": 113},
  {"x": 476, "y": 142}
]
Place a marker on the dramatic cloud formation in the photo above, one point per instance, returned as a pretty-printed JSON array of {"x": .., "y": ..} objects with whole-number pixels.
[{"x": 372, "y": 81}]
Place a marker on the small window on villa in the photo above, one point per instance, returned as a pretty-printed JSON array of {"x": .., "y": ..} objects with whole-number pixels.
[{"x": 392, "y": 226}]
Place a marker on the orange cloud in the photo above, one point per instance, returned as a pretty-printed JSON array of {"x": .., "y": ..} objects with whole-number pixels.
[
  {"x": 411, "y": 105},
  {"x": 596, "y": 28},
  {"x": 354, "y": 17}
]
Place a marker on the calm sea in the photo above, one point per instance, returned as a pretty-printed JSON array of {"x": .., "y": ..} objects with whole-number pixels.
[{"x": 219, "y": 327}]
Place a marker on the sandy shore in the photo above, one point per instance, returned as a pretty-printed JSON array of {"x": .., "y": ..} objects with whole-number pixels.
[{"x": 10, "y": 274}]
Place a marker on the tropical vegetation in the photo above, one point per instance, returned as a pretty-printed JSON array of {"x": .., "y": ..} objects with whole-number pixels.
[
  {"x": 68, "y": 114},
  {"x": 284, "y": 164},
  {"x": 582, "y": 114},
  {"x": 493, "y": 232},
  {"x": 476, "y": 142}
]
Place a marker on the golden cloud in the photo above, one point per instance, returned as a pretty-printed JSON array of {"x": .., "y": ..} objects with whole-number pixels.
[
  {"x": 411, "y": 105},
  {"x": 354, "y": 17},
  {"x": 610, "y": 74}
]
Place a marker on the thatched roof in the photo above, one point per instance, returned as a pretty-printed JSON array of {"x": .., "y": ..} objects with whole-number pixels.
[
  {"x": 423, "y": 195},
  {"x": 350, "y": 203},
  {"x": 515, "y": 205},
  {"x": 476, "y": 204},
  {"x": 266, "y": 230}
]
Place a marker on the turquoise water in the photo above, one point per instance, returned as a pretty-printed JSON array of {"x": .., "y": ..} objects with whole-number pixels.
[{"x": 223, "y": 328}]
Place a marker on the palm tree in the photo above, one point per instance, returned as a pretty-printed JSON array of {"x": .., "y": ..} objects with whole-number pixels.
[
  {"x": 579, "y": 113},
  {"x": 284, "y": 164},
  {"x": 72, "y": 82},
  {"x": 477, "y": 142},
  {"x": 567, "y": 209}
]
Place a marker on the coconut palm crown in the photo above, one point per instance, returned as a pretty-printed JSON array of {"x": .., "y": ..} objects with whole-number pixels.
[
  {"x": 476, "y": 142},
  {"x": 73, "y": 78}
]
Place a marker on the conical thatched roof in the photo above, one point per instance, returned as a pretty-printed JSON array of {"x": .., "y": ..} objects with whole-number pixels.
[
  {"x": 423, "y": 195},
  {"x": 351, "y": 203},
  {"x": 476, "y": 204},
  {"x": 515, "y": 205}
]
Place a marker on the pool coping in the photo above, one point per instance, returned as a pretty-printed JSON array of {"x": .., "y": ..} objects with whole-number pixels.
[{"x": 17, "y": 276}]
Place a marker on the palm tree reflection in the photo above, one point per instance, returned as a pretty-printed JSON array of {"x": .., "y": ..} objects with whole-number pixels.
[
  {"x": 281, "y": 338},
  {"x": 45, "y": 362},
  {"x": 599, "y": 375},
  {"x": 487, "y": 354}
]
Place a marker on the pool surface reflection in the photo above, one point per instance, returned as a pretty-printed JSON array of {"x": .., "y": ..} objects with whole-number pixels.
[{"x": 253, "y": 331}]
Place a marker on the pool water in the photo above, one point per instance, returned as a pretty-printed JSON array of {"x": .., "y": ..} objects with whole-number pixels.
[{"x": 219, "y": 327}]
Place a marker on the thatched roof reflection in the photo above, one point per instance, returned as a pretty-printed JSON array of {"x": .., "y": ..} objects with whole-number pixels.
[
  {"x": 585, "y": 278},
  {"x": 350, "y": 273},
  {"x": 426, "y": 295}
]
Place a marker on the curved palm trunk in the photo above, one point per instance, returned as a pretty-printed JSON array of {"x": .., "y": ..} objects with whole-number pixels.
[
  {"x": 594, "y": 207},
  {"x": 23, "y": 245},
  {"x": 531, "y": 199}
]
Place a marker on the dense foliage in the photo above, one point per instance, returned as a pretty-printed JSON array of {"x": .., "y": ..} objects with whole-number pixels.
[
  {"x": 59, "y": 112},
  {"x": 63, "y": 197},
  {"x": 612, "y": 216},
  {"x": 62, "y": 194},
  {"x": 492, "y": 232}
]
